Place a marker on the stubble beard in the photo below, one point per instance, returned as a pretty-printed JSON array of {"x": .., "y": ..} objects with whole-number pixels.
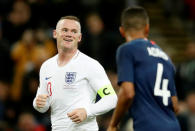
[{"x": 65, "y": 49}]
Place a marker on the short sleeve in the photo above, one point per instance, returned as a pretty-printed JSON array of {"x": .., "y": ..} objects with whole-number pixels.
[
  {"x": 171, "y": 86},
  {"x": 125, "y": 65}
]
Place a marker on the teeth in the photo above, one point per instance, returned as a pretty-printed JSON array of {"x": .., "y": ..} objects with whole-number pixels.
[{"x": 68, "y": 40}]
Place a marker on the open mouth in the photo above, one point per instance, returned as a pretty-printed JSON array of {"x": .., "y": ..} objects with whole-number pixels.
[{"x": 68, "y": 40}]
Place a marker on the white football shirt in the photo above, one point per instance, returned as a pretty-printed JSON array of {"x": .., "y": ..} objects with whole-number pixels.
[{"x": 72, "y": 86}]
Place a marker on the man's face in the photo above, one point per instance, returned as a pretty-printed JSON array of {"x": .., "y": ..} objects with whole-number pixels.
[{"x": 67, "y": 34}]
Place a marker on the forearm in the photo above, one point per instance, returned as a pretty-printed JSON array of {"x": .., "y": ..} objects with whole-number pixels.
[
  {"x": 175, "y": 104},
  {"x": 104, "y": 105},
  {"x": 122, "y": 106}
]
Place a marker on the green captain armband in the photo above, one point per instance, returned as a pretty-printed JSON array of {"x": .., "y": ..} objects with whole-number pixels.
[{"x": 105, "y": 91}]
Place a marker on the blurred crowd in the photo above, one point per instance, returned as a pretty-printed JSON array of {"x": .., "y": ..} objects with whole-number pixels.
[{"x": 26, "y": 41}]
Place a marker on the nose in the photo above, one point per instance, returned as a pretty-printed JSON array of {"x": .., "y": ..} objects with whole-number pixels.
[
  {"x": 68, "y": 36},
  {"x": 69, "y": 33}
]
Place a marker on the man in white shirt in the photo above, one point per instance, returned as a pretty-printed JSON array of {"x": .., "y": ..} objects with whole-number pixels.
[{"x": 70, "y": 81}]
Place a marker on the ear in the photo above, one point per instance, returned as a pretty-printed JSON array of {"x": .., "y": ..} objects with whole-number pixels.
[
  {"x": 54, "y": 34},
  {"x": 122, "y": 31},
  {"x": 146, "y": 30},
  {"x": 80, "y": 37}
]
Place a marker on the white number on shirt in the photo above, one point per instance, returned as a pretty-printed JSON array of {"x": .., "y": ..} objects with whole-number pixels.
[{"x": 164, "y": 92}]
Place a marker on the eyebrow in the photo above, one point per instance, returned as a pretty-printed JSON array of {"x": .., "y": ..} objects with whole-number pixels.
[{"x": 71, "y": 29}]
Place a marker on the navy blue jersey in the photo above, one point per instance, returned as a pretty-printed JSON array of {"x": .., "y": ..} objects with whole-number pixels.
[{"x": 143, "y": 63}]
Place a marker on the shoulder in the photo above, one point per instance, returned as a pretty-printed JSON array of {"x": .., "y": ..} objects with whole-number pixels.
[
  {"x": 49, "y": 62},
  {"x": 88, "y": 62},
  {"x": 132, "y": 46},
  {"x": 126, "y": 49},
  {"x": 87, "y": 59}
]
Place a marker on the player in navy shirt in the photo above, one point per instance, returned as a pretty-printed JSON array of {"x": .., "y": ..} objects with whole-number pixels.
[{"x": 145, "y": 77}]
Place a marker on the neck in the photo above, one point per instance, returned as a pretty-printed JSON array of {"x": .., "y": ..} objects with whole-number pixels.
[
  {"x": 65, "y": 56},
  {"x": 129, "y": 36}
]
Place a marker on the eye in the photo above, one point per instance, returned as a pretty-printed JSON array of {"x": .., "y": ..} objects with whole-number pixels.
[
  {"x": 65, "y": 30},
  {"x": 74, "y": 31}
]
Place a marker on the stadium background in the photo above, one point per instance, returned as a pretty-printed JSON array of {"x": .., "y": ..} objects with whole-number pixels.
[{"x": 26, "y": 41}]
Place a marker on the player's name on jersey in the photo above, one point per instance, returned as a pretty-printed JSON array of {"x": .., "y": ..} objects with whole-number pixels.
[{"x": 155, "y": 52}]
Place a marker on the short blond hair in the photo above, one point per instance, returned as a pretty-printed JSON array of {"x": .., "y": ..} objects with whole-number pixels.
[{"x": 70, "y": 17}]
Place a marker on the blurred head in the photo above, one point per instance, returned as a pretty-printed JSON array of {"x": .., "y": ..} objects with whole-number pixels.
[
  {"x": 4, "y": 91},
  {"x": 94, "y": 23},
  {"x": 134, "y": 19},
  {"x": 41, "y": 35},
  {"x": 190, "y": 100},
  {"x": 28, "y": 37},
  {"x": 190, "y": 50},
  {"x": 20, "y": 14},
  {"x": 26, "y": 122},
  {"x": 67, "y": 33}
]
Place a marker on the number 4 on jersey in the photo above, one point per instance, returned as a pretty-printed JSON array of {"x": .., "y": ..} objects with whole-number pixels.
[{"x": 164, "y": 92}]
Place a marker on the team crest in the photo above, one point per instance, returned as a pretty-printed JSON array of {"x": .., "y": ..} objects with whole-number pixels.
[{"x": 70, "y": 77}]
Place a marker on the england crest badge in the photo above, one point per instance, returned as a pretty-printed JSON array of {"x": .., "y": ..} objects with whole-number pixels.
[{"x": 70, "y": 77}]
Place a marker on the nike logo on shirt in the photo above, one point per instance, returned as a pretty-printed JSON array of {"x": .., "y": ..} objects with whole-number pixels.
[{"x": 47, "y": 78}]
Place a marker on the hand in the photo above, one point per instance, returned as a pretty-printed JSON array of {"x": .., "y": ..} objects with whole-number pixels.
[
  {"x": 78, "y": 115},
  {"x": 41, "y": 100},
  {"x": 111, "y": 128}
]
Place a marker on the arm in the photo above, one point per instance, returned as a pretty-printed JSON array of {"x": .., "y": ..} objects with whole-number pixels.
[
  {"x": 42, "y": 101},
  {"x": 104, "y": 105},
  {"x": 174, "y": 100},
  {"x": 125, "y": 70},
  {"x": 126, "y": 95},
  {"x": 100, "y": 84},
  {"x": 173, "y": 90},
  {"x": 107, "y": 102}
]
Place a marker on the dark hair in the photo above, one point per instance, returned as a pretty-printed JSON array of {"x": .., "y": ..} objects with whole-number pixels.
[
  {"x": 134, "y": 18},
  {"x": 70, "y": 17}
]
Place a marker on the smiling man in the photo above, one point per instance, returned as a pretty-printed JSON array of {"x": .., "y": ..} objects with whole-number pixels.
[{"x": 70, "y": 81}]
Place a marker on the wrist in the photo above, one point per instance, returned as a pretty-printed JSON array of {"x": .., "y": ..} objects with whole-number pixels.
[{"x": 88, "y": 112}]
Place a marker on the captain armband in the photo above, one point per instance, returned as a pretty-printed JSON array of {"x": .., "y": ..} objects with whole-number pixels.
[{"x": 105, "y": 91}]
